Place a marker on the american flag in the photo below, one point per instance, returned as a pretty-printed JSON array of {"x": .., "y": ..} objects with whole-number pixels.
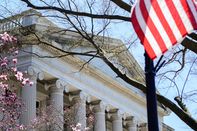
[{"x": 160, "y": 24}]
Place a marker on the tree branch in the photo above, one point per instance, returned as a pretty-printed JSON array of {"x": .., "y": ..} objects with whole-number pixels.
[
  {"x": 122, "y": 5},
  {"x": 179, "y": 112},
  {"x": 70, "y": 12},
  {"x": 189, "y": 44}
]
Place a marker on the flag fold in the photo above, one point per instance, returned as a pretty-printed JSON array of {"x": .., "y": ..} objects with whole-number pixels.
[{"x": 160, "y": 24}]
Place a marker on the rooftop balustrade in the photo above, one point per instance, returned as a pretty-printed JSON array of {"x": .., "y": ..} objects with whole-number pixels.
[{"x": 26, "y": 18}]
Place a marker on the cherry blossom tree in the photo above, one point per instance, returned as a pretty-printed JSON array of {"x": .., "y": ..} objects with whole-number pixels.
[{"x": 11, "y": 79}]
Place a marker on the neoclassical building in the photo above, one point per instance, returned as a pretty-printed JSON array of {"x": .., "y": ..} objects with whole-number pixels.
[{"x": 67, "y": 80}]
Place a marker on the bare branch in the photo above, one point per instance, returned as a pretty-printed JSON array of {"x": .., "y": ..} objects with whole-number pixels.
[
  {"x": 187, "y": 77},
  {"x": 67, "y": 53},
  {"x": 122, "y": 5},
  {"x": 70, "y": 12}
]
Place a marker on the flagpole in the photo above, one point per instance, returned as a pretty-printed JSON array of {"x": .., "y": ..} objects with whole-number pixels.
[{"x": 151, "y": 94}]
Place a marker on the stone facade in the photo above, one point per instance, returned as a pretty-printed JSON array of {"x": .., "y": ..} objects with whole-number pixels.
[{"x": 117, "y": 106}]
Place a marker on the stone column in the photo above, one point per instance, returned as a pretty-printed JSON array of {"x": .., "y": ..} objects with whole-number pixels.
[
  {"x": 144, "y": 127},
  {"x": 99, "y": 124},
  {"x": 28, "y": 95},
  {"x": 117, "y": 122},
  {"x": 160, "y": 124},
  {"x": 57, "y": 102},
  {"x": 80, "y": 109},
  {"x": 132, "y": 124}
]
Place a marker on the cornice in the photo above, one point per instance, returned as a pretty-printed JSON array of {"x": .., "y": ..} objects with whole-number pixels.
[{"x": 96, "y": 73}]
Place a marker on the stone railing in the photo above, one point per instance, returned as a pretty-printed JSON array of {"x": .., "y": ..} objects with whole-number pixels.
[{"x": 26, "y": 18}]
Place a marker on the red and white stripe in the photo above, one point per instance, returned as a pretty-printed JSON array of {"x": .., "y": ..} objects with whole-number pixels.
[{"x": 160, "y": 24}]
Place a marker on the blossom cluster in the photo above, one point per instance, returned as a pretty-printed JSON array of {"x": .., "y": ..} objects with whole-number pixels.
[
  {"x": 49, "y": 115},
  {"x": 9, "y": 49},
  {"x": 79, "y": 127},
  {"x": 11, "y": 80},
  {"x": 70, "y": 111}
]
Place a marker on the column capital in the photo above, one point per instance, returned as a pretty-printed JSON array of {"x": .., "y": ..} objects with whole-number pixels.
[
  {"x": 60, "y": 84},
  {"x": 57, "y": 85},
  {"x": 100, "y": 107},
  {"x": 143, "y": 126},
  {"x": 35, "y": 73},
  {"x": 81, "y": 96},
  {"x": 131, "y": 121},
  {"x": 126, "y": 116},
  {"x": 117, "y": 115}
]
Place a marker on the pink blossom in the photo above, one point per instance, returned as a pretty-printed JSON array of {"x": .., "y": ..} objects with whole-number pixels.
[
  {"x": 31, "y": 83},
  {"x": 19, "y": 76},
  {"x": 77, "y": 127},
  {"x": 13, "y": 39},
  {"x": 14, "y": 60},
  {"x": 16, "y": 52},
  {"x": 21, "y": 127},
  {"x": 4, "y": 37},
  {"x": 4, "y": 62},
  {"x": 3, "y": 77},
  {"x": 14, "y": 69},
  {"x": 25, "y": 81},
  {"x": 3, "y": 85}
]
